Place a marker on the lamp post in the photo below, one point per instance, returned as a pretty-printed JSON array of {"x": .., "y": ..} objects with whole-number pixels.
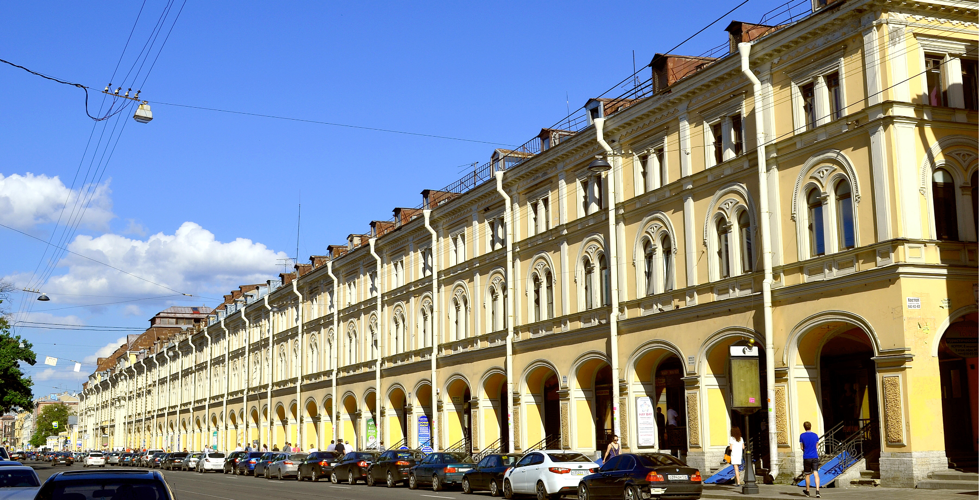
[{"x": 746, "y": 399}]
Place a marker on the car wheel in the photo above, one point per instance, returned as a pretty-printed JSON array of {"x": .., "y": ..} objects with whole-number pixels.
[
  {"x": 508, "y": 489},
  {"x": 630, "y": 493},
  {"x": 436, "y": 485},
  {"x": 370, "y": 478},
  {"x": 494, "y": 489},
  {"x": 583, "y": 492},
  {"x": 267, "y": 476},
  {"x": 314, "y": 476},
  {"x": 350, "y": 478},
  {"x": 333, "y": 478},
  {"x": 299, "y": 476},
  {"x": 466, "y": 486},
  {"x": 540, "y": 492},
  {"x": 279, "y": 473},
  {"x": 390, "y": 480},
  {"x": 412, "y": 482}
]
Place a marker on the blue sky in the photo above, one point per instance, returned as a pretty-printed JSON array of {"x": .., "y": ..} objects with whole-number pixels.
[{"x": 201, "y": 201}]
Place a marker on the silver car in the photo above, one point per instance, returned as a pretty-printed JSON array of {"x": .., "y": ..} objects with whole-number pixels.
[
  {"x": 287, "y": 466},
  {"x": 190, "y": 461},
  {"x": 113, "y": 458}
]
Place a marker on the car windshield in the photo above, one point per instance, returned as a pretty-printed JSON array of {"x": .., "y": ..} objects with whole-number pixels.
[
  {"x": 658, "y": 460},
  {"x": 508, "y": 459},
  {"x": 96, "y": 454},
  {"x": 568, "y": 457},
  {"x": 18, "y": 479},
  {"x": 219, "y": 455},
  {"x": 178, "y": 455},
  {"x": 95, "y": 489},
  {"x": 460, "y": 458},
  {"x": 267, "y": 456},
  {"x": 298, "y": 456},
  {"x": 364, "y": 456},
  {"x": 402, "y": 455}
]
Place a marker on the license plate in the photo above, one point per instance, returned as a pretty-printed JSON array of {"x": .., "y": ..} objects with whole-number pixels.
[
  {"x": 657, "y": 491},
  {"x": 578, "y": 472},
  {"x": 677, "y": 477}
]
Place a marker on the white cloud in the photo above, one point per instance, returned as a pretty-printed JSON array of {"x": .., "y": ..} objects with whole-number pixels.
[
  {"x": 62, "y": 374},
  {"x": 29, "y": 200},
  {"x": 134, "y": 228},
  {"x": 191, "y": 260},
  {"x": 105, "y": 351},
  {"x": 132, "y": 310}
]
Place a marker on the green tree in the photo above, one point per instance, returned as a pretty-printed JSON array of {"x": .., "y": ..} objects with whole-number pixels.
[
  {"x": 16, "y": 392},
  {"x": 44, "y": 427}
]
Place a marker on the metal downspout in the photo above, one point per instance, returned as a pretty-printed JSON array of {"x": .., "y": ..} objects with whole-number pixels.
[
  {"x": 612, "y": 250},
  {"x": 146, "y": 376},
  {"x": 224, "y": 404},
  {"x": 248, "y": 373},
  {"x": 434, "y": 424},
  {"x": 378, "y": 420},
  {"x": 166, "y": 411},
  {"x": 744, "y": 49},
  {"x": 156, "y": 409},
  {"x": 299, "y": 370},
  {"x": 272, "y": 360},
  {"x": 509, "y": 356},
  {"x": 336, "y": 353},
  {"x": 207, "y": 396}
]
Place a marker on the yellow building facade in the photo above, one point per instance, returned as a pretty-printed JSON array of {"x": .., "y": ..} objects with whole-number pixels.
[{"x": 547, "y": 302}]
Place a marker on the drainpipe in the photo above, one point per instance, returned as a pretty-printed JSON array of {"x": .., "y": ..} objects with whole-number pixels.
[
  {"x": 146, "y": 383},
  {"x": 381, "y": 344},
  {"x": 743, "y": 49},
  {"x": 170, "y": 372},
  {"x": 207, "y": 396},
  {"x": 613, "y": 273},
  {"x": 434, "y": 424},
  {"x": 509, "y": 358},
  {"x": 156, "y": 409},
  {"x": 336, "y": 353},
  {"x": 132, "y": 404},
  {"x": 272, "y": 360},
  {"x": 224, "y": 405},
  {"x": 248, "y": 374},
  {"x": 299, "y": 369}
]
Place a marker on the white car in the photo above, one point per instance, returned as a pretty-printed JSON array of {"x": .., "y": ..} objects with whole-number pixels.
[
  {"x": 94, "y": 459},
  {"x": 18, "y": 482},
  {"x": 548, "y": 474},
  {"x": 211, "y": 461}
]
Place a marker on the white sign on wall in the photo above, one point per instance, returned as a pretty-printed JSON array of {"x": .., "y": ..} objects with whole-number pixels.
[
  {"x": 914, "y": 302},
  {"x": 646, "y": 423}
]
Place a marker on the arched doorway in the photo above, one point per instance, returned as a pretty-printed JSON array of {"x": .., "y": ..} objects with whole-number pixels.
[
  {"x": 958, "y": 379},
  {"x": 349, "y": 422},
  {"x": 459, "y": 429},
  {"x": 593, "y": 411},
  {"x": 543, "y": 419},
  {"x": 669, "y": 390},
  {"x": 422, "y": 409},
  {"x": 279, "y": 439},
  {"x": 494, "y": 411},
  {"x": 312, "y": 430},
  {"x": 397, "y": 425}
]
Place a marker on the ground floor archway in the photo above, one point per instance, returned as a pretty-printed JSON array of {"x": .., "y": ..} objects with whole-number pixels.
[{"x": 957, "y": 359}]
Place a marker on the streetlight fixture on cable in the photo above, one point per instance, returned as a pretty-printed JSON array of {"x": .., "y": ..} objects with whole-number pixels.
[
  {"x": 143, "y": 113},
  {"x": 43, "y": 297}
]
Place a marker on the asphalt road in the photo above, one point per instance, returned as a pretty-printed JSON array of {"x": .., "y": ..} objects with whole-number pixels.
[{"x": 217, "y": 486}]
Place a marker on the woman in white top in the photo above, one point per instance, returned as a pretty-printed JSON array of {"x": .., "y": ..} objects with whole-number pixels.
[{"x": 738, "y": 446}]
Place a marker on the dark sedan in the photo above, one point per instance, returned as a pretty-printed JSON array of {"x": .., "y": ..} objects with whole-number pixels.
[
  {"x": 318, "y": 465},
  {"x": 173, "y": 461},
  {"x": 488, "y": 474},
  {"x": 353, "y": 467},
  {"x": 263, "y": 464},
  {"x": 117, "y": 483},
  {"x": 157, "y": 460},
  {"x": 232, "y": 460},
  {"x": 63, "y": 458},
  {"x": 393, "y": 467},
  {"x": 247, "y": 463},
  {"x": 440, "y": 470},
  {"x": 636, "y": 476},
  {"x": 127, "y": 459}
]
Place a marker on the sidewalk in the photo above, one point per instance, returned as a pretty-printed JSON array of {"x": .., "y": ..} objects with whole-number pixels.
[{"x": 786, "y": 492}]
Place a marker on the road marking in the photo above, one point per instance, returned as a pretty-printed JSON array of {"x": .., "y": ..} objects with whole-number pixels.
[
  {"x": 436, "y": 496},
  {"x": 202, "y": 494}
]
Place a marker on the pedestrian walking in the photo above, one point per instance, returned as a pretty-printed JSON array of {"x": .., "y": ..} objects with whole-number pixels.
[
  {"x": 738, "y": 446},
  {"x": 348, "y": 447},
  {"x": 811, "y": 460},
  {"x": 612, "y": 450},
  {"x": 332, "y": 446}
]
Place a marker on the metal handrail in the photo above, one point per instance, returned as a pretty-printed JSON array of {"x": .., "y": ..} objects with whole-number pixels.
[
  {"x": 545, "y": 443},
  {"x": 463, "y": 445},
  {"x": 489, "y": 450},
  {"x": 399, "y": 444}
]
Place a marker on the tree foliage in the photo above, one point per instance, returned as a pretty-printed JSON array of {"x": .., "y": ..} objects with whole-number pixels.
[
  {"x": 44, "y": 427},
  {"x": 16, "y": 387}
]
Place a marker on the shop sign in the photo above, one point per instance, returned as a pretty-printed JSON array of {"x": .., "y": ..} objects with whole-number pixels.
[
  {"x": 646, "y": 426},
  {"x": 423, "y": 433}
]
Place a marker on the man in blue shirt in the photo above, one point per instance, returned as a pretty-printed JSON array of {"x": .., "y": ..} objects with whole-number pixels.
[{"x": 808, "y": 443}]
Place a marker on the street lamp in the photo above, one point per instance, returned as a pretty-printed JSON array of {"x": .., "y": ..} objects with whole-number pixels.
[{"x": 599, "y": 165}]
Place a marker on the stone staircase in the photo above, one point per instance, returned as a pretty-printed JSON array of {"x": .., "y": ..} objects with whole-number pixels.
[
  {"x": 870, "y": 478},
  {"x": 950, "y": 479}
]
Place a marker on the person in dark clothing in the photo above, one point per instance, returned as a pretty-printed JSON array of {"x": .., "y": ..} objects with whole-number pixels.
[
  {"x": 661, "y": 427},
  {"x": 340, "y": 447}
]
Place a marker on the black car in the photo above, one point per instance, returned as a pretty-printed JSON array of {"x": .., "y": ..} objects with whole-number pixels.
[
  {"x": 173, "y": 461},
  {"x": 393, "y": 467},
  {"x": 440, "y": 470},
  {"x": 126, "y": 459},
  {"x": 246, "y": 464},
  {"x": 231, "y": 461},
  {"x": 318, "y": 465},
  {"x": 488, "y": 474},
  {"x": 156, "y": 461},
  {"x": 262, "y": 465},
  {"x": 353, "y": 466},
  {"x": 646, "y": 475},
  {"x": 112, "y": 483},
  {"x": 63, "y": 458}
]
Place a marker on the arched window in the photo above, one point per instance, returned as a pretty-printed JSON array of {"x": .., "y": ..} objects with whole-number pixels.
[
  {"x": 267, "y": 372},
  {"x": 282, "y": 362},
  {"x": 314, "y": 355},
  {"x": 721, "y": 230},
  {"x": 815, "y": 223},
  {"x": 373, "y": 337},
  {"x": 397, "y": 341},
  {"x": 550, "y": 293},
  {"x": 745, "y": 241},
  {"x": 536, "y": 291},
  {"x": 425, "y": 325},
  {"x": 351, "y": 345},
  {"x": 589, "y": 278},
  {"x": 496, "y": 307},
  {"x": 458, "y": 316},
  {"x": 944, "y": 205},
  {"x": 668, "y": 263},
  {"x": 542, "y": 293},
  {"x": 296, "y": 366},
  {"x": 649, "y": 286},
  {"x": 605, "y": 287},
  {"x": 845, "y": 215},
  {"x": 234, "y": 376}
]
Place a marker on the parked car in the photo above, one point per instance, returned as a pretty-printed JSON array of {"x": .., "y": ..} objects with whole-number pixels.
[
  {"x": 190, "y": 461},
  {"x": 286, "y": 466},
  {"x": 440, "y": 470},
  {"x": 145, "y": 459},
  {"x": 116, "y": 483},
  {"x": 353, "y": 467},
  {"x": 18, "y": 482},
  {"x": 94, "y": 459},
  {"x": 18, "y": 455},
  {"x": 263, "y": 464},
  {"x": 393, "y": 467},
  {"x": 488, "y": 475},
  {"x": 127, "y": 459},
  {"x": 173, "y": 461},
  {"x": 247, "y": 463},
  {"x": 547, "y": 474},
  {"x": 210, "y": 461},
  {"x": 113, "y": 458},
  {"x": 646, "y": 475},
  {"x": 157, "y": 460},
  {"x": 63, "y": 458},
  {"x": 231, "y": 461}
]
